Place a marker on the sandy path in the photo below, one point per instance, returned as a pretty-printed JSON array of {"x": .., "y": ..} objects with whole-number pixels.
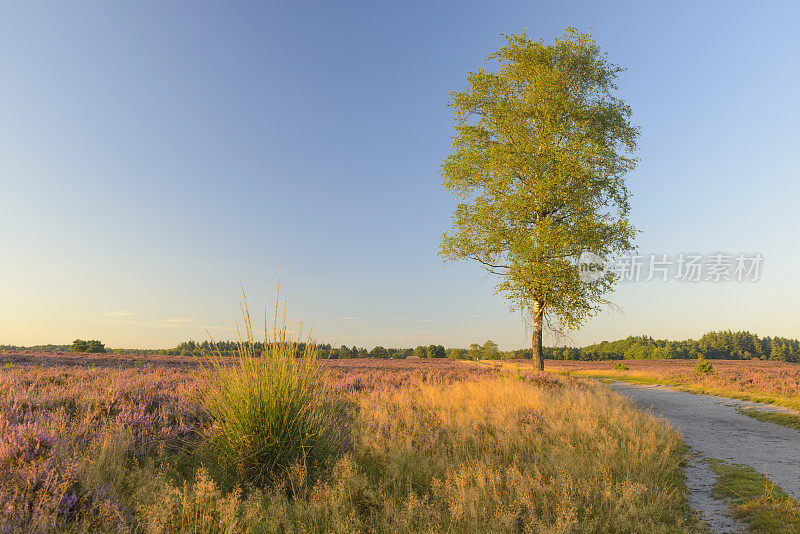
[{"x": 713, "y": 428}]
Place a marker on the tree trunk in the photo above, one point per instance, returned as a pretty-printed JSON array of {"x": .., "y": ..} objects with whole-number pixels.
[{"x": 538, "y": 356}]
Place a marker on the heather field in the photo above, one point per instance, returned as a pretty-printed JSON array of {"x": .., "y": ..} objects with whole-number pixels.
[
  {"x": 133, "y": 445},
  {"x": 756, "y": 380}
]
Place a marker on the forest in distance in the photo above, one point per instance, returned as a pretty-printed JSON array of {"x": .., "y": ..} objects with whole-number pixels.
[{"x": 741, "y": 345}]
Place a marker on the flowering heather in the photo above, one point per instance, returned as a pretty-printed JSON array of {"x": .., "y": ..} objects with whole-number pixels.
[
  {"x": 88, "y": 444},
  {"x": 52, "y": 418},
  {"x": 367, "y": 374},
  {"x": 27, "y": 357},
  {"x": 59, "y": 410},
  {"x": 777, "y": 381}
]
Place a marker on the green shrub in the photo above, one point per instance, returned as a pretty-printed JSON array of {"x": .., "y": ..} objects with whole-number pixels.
[
  {"x": 92, "y": 346},
  {"x": 704, "y": 366},
  {"x": 271, "y": 411},
  {"x": 619, "y": 366}
]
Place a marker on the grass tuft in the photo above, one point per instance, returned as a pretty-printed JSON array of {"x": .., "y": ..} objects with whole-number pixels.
[{"x": 270, "y": 410}]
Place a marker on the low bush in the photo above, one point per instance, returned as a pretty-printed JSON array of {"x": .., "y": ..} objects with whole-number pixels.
[
  {"x": 92, "y": 346},
  {"x": 619, "y": 366},
  {"x": 704, "y": 366}
]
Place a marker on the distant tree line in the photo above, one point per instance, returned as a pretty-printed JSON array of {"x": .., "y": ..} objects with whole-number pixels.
[
  {"x": 713, "y": 345},
  {"x": 326, "y": 350}
]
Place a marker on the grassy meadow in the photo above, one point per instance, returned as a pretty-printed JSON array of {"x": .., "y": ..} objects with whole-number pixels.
[{"x": 368, "y": 446}]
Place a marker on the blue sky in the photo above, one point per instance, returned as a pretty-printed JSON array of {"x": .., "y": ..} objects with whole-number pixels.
[{"x": 154, "y": 155}]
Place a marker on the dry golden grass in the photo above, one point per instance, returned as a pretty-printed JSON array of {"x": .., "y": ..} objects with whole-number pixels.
[{"x": 496, "y": 455}]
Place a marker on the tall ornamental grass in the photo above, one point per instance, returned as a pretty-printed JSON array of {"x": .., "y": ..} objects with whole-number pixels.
[{"x": 270, "y": 409}]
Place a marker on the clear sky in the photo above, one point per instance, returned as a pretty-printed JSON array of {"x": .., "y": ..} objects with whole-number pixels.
[{"x": 153, "y": 155}]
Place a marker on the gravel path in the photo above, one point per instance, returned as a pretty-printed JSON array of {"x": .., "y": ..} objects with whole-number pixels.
[{"x": 713, "y": 428}]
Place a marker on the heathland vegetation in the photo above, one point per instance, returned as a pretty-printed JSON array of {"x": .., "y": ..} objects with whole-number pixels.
[
  {"x": 774, "y": 382},
  {"x": 270, "y": 442}
]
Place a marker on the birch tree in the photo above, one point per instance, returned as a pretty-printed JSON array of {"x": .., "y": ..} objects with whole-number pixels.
[{"x": 538, "y": 160}]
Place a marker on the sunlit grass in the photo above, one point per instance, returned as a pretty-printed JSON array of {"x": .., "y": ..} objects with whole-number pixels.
[
  {"x": 765, "y": 507},
  {"x": 270, "y": 410},
  {"x": 789, "y": 420},
  {"x": 495, "y": 455}
]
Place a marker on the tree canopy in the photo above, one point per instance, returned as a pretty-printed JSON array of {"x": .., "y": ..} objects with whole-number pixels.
[{"x": 538, "y": 159}]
